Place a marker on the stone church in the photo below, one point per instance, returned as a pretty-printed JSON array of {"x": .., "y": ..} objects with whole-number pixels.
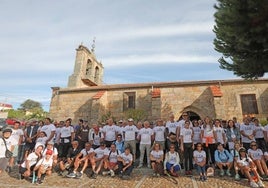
[{"x": 86, "y": 97}]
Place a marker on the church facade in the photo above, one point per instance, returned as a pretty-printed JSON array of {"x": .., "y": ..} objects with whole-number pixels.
[{"x": 86, "y": 97}]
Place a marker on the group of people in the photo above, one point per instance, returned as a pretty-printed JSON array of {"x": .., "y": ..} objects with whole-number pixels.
[{"x": 112, "y": 148}]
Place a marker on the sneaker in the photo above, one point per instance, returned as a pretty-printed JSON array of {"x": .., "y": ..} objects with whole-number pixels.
[
  {"x": 71, "y": 175},
  {"x": 253, "y": 184},
  {"x": 149, "y": 166},
  {"x": 39, "y": 181},
  {"x": 157, "y": 175},
  {"x": 140, "y": 165},
  {"x": 228, "y": 173},
  {"x": 205, "y": 178},
  {"x": 154, "y": 174},
  {"x": 222, "y": 173},
  {"x": 260, "y": 183},
  {"x": 237, "y": 177},
  {"x": 104, "y": 173},
  {"x": 112, "y": 173},
  {"x": 125, "y": 177},
  {"x": 94, "y": 176},
  {"x": 201, "y": 178},
  {"x": 79, "y": 175}
]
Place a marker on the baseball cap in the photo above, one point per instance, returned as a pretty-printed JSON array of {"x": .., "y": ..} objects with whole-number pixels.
[
  {"x": 50, "y": 143},
  {"x": 130, "y": 119},
  {"x": 49, "y": 152}
]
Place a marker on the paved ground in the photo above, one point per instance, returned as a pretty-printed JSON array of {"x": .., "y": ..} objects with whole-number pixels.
[{"x": 141, "y": 178}]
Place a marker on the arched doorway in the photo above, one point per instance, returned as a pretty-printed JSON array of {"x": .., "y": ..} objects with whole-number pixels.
[{"x": 192, "y": 116}]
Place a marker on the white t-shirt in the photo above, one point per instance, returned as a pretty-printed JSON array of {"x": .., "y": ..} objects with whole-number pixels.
[
  {"x": 45, "y": 163},
  {"x": 172, "y": 126},
  {"x": 16, "y": 134},
  {"x": 219, "y": 132},
  {"x": 197, "y": 135},
  {"x": 66, "y": 132},
  {"x": 259, "y": 131},
  {"x": 208, "y": 132},
  {"x": 172, "y": 157},
  {"x": 130, "y": 132},
  {"x": 248, "y": 130},
  {"x": 157, "y": 154},
  {"x": 32, "y": 158},
  {"x": 96, "y": 137},
  {"x": 100, "y": 152},
  {"x": 10, "y": 142},
  {"x": 127, "y": 158},
  {"x": 187, "y": 135},
  {"x": 2, "y": 148},
  {"x": 182, "y": 122},
  {"x": 113, "y": 155},
  {"x": 110, "y": 132},
  {"x": 86, "y": 152},
  {"x": 244, "y": 161},
  {"x": 48, "y": 129},
  {"x": 159, "y": 133},
  {"x": 146, "y": 134},
  {"x": 200, "y": 156},
  {"x": 42, "y": 140},
  {"x": 256, "y": 154}
]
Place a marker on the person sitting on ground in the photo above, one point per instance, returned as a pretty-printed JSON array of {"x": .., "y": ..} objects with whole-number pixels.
[
  {"x": 54, "y": 156},
  {"x": 235, "y": 153},
  {"x": 200, "y": 161},
  {"x": 67, "y": 163},
  {"x": 125, "y": 164},
  {"x": 44, "y": 166},
  {"x": 156, "y": 158},
  {"x": 172, "y": 161},
  {"x": 98, "y": 159},
  {"x": 28, "y": 165},
  {"x": 111, "y": 161},
  {"x": 82, "y": 159},
  {"x": 257, "y": 156},
  {"x": 223, "y": 159},
  {"x": 247, "y": 167}
]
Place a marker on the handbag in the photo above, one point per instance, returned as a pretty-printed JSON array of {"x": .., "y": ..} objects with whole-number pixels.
[{"x": 8, "y": 153}]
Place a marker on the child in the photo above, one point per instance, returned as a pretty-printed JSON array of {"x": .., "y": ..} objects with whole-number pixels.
[
  {"x": 247, "y": 167},
  {"x": 44, "y": 166},
  {"x": 200, "y": 161}
]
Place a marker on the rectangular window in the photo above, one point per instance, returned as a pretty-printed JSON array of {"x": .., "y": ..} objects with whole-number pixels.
[
  {"x": 129, "y": 100},
  {"x": 249, "y": 104}
]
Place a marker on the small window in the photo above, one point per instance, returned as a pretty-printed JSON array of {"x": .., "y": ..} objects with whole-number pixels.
[
  {"x": 129, "y": 100},
  {"x": 249, "y": 104}
]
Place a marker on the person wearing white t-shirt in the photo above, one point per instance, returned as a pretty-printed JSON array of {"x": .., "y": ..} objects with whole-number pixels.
[
  {"x": 247, "y": 131},
  {"x": 171, "y": 128},
  {"x": 95, "y": 136},
  {"x": 125, "y": 164},
  {"x": 187, "y": 146},
  {"x": 84, "y": 158},
  {"x": 200, "y": 161},
  {"x": 66, "y": 138},
  {"x": 160, "y": 133},
  {"x": 172, "y": 161},
  {"x": 98, "y": 160},
  {"x": 256, "y": 154},
  {"x": 220, "y": 134},
  {"x": 247, "y": 166},
  {"x": 145, "y": 136},
  {"x": 44, "y": 166},
  {"x": 111, "y": 160},
  {"x": 6, "y": 133},
  {"x": 185, "y": 117},
  {"x": 129, "y": 136},
  {"x": 197, "y": 132},
  {"x": 49, "y": 129},
  {"x": 28, "y": 165},
  {"x": 110, "y": 131},
  {"x": 157, "y": 157},
  {"x": 259, "y": 135},
  {"x": 17, "y": 135},
  {"x": 54, "y": 156}
]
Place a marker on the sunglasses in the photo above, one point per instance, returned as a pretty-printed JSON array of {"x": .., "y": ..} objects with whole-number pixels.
[{"x": 253, "y": 145}]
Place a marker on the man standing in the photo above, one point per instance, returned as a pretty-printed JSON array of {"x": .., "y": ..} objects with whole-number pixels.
[
  {"x": 49, "y": 129},
  {"x": 129, "y": 133},
  {"x": 110, "y": 131}
]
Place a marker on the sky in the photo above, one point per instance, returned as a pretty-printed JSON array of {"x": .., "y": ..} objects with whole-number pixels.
[{"x": 136, "y": 40}]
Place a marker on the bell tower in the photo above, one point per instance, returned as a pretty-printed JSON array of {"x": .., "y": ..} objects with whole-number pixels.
[{"x": 87, "y": 70}]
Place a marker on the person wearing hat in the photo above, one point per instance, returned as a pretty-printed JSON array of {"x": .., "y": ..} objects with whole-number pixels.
[
  {"x": 3, "y": 147},
  {"x": 44, "y": 166},
  {"x": 247, "y": 166},
  {"x": 54, "y": 156}
]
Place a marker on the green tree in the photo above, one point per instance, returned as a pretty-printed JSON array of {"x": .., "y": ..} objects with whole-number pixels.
[
  {"x": 30, "y": 104},
  {"x": 136, "y": 114},
  {"x": 17, "y": 114},
  {"x": 242, "y": 36}
]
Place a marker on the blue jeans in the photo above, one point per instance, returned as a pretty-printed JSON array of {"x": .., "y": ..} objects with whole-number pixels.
[
  {"x": 176, "y": 168},
  {"x": 200, "y": 169}
]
